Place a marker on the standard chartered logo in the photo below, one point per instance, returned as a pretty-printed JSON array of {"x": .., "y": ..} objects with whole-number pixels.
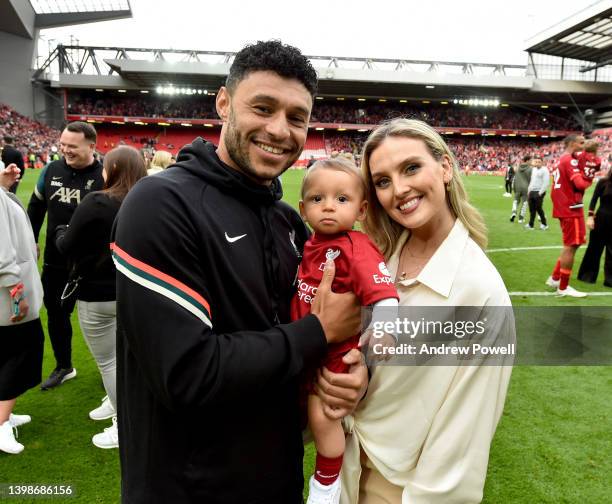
[{"x": 65, "y": 195}]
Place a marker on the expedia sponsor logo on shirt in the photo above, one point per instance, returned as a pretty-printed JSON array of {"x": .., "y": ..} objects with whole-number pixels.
[
  {"x": 305, "y": 291},
  {"x": 386, "y": 276}
]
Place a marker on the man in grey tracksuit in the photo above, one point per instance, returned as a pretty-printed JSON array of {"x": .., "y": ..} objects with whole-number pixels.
[
  {"x": 522, "y": 178},
  {"x": 540, "y": 179}
]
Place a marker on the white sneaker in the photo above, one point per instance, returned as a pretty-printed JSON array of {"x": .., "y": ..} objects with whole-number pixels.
[
  {"x": 104, "y": 411},
  {"x": 8, "y": 443},
  {"x": 543, "y": 227},
  {"x": 571, "y": 292},
  {"x": 527, "y": 226},
  {"x": 109, "y": 438},
  {"x": 17, "y": 420},
  {"x": 324, "y": 494},
  {"x": 553, "y": 284}
]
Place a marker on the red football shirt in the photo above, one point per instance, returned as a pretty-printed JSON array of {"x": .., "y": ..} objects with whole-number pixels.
[
  {"x": 564, "y": 192},
  {"x": 588, "y": 163},
  {"x": 360, "y": 268}
]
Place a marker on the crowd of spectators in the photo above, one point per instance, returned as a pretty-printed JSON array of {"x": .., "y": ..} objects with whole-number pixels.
[
  {"x": 177, "y": 107},
  {"x": 36, "y": 140},
  {"x": 31, "y": 137},
  {"x": 478, "y": 154},
  {"x": 203, "y": 107},
  {"x": 443, "y": 116}
]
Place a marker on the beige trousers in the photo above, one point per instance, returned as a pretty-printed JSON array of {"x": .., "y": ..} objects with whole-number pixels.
[{"x": 374, "y": 488}]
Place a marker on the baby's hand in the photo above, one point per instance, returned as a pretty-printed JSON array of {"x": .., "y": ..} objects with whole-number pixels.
[{"x": 375, "y": 348}]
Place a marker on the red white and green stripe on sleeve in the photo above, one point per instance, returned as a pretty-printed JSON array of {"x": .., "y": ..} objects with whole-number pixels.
[{"x": 155, "y": 280}]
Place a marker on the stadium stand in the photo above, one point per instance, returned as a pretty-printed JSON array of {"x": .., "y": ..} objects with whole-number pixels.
[
  {"x": 476, "y": 154},
  {"x": 31, "y": 137},
  {"x": 349, "y": 112}
]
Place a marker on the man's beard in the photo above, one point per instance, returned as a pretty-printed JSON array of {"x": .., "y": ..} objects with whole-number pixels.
[{"x": 237, "y": 148}]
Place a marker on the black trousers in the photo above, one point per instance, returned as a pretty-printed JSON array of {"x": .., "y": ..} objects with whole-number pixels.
[
  {"x": 535, "y": 206},
  {"x": 600, "y": 239},
  {"x": 509, "y": 185},
  {"x": 58, "y": 316}
]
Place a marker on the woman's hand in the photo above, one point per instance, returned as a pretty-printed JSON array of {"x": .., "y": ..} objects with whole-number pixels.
[
  {"x": 23, "y": 308},
  {"x": 590, "y": 222},
  {"x": 341, "y": 392},
  {"x": 9, "y": 176}
]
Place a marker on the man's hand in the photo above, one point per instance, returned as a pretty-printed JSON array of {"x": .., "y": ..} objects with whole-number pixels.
[
  {"x": 9, "y": 176},
  {"x": 341, "y": 392},
  {"x": 339, "y": 314}
]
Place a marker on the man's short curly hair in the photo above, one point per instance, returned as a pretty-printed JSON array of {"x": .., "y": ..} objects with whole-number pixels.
[{"x": 274, "y": 56}]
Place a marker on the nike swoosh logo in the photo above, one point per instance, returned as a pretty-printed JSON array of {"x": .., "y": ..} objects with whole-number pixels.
[
  {"x": 233, "y": 239},
  {"x": 56, "y": 178},
  {"x": 325, "y": 475}
]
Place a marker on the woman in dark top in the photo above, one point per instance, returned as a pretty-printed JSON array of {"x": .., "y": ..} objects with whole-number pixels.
[
  {"x": 600, "y": 237},
  {"x": 85, "y": 241}
]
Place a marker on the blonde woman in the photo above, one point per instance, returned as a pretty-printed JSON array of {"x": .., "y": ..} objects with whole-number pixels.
[
  {"x": 422, "y": 433},
  {"x": 161, "y": 161}
]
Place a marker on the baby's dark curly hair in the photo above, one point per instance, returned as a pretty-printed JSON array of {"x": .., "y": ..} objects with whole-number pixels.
[{"x": 272, "y": 55}]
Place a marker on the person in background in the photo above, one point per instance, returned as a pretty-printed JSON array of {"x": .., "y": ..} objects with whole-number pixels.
[
  {"x": 11, "y": 155},
  {"x": 599, "y": 222},
  {"x": 520, "y": 184},
  {"x": 86, "y": 244},
  {"x": 21, "y": 333},
  {"x": 508, "y": 178},
  {"x": 161, "y": 160},
  {"x": 569, "y": 184},
  {"x": 540, "y": 178},
  {"x": 61, "y": 186},
  {"x": 54, "y": 154}
]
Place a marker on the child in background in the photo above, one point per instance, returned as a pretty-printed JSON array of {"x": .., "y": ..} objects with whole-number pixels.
[
  {"x": 588, "y": 165},
  {"x": 333, "y": 199}
]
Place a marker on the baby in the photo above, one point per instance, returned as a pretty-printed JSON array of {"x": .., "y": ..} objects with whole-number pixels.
[
  {"x": 588, "y": 164},
  {"x": 333, "y": 199}
]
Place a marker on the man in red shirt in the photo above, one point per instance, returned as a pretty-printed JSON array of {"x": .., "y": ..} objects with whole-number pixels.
[{"x": 570, "y": 180}]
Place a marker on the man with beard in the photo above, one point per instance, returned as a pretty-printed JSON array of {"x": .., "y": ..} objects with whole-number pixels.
[{"x": 208, "y": 361}]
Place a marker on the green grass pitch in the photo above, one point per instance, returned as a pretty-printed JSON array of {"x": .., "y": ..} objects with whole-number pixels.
[{"x": 553, "y": 443}]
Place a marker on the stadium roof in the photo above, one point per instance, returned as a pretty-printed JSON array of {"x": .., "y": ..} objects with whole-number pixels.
[
  {"x": 139, "y": 68},
  {"x": 585, "y": 36},
  {"x": 22, "y": 18},
  {"x": 64, "y": 6}
]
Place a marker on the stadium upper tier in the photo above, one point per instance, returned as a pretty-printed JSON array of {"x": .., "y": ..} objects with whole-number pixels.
[
  {"x": 328, "y": 112},
  {"x": 477, "y": 153}
]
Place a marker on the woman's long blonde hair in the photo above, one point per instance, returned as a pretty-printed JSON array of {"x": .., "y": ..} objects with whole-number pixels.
[
  {"x": 161, "y": 159},
  {"x": 378, "y": 225}
]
